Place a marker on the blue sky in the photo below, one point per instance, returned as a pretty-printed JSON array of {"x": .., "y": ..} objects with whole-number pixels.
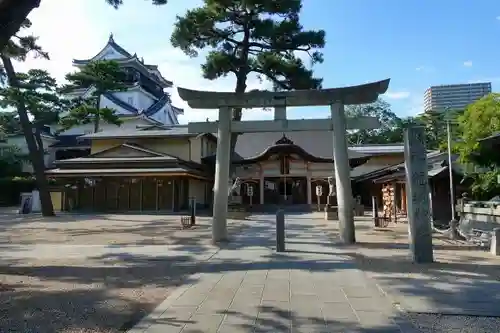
[{"x": 416, "y": 43}]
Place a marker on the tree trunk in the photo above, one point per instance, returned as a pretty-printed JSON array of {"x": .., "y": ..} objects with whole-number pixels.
[
  {"x": 36, "y": 155},
  {"x": 96, "y": 123},
  {"x": 237, "y": 113},
  {"x": 12, "y": 15},
  {"x": 241, "y": 86},
  {"x": 97, "y": 116}
]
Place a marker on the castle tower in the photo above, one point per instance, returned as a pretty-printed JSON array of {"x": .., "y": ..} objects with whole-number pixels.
[{"x": 145, "y": 98}]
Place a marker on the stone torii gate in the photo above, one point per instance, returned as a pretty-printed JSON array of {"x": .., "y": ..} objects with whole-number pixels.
[{"x": 338, "y": 124}]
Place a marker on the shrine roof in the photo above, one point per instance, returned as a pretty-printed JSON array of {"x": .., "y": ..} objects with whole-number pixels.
[
  {"x": 69, "y": 141},
  {"x": 166, "y": 131},
  {"x": 122, "y": 172},
  {"x": 316, "y": 143},
  {"x": 491, "y": 140},
  {"x": 437, "y": 162}
]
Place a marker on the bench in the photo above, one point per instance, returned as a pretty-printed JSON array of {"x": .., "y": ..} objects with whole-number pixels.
[{"x": 186, "y": 222}]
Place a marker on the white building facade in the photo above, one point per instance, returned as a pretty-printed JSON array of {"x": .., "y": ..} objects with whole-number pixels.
[{"x": 454, "y": 96}]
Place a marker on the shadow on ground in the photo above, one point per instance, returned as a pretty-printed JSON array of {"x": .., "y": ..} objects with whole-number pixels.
[{"x": 92, "y": 298}]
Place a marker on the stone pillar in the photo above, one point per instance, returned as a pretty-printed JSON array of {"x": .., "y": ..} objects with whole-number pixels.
[
  {"x": 261, "y": 188},
  {"x": 280, "y": 112},
  {"x": 309, "y": 194},
  {"x": 342, "y": 175},
  {"x": 219, "y": 221},
  {"x": 419, "y": 215}
]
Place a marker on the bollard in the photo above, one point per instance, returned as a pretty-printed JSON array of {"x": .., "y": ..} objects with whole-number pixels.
[
  {"x": 375, "y": 211},
  {"x": 280, "y": 230},
  {"x": 454, "y": 230},
  {"x": 495, "y": 242},
  {"x": 192, "y": 210}
]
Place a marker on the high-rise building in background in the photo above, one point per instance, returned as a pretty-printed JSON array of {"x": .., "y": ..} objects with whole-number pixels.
[{"x": 454, "y": 96}]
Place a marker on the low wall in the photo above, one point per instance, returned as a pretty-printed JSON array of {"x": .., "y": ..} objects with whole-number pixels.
[{"x": 480, "y": 215}]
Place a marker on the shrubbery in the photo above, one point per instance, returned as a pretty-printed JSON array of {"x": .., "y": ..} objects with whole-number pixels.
[{"x": 12, "y": 187}]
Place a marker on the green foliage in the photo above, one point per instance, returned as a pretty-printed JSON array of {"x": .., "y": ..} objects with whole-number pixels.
[
  {"x": 480, "y": 119},
  {"x": 11, "y": 161},
  {"x": 18, "y": 47},
  {"x": 101, "y": 76},
  {"x": 391, "y": 129},
  {"x": 485, "y": 185},
  {"x": 435, "y": 127},
  {"x": 9, "y": 123},
  {"x": 257, "y": 36},
  {"x": 40, "y": 97},
  {"x": 118, "y": 3},
  {"x": 246, "y": 37},
  {"x": 84, "y": 112},
  {"x": 12, "y": 187}
]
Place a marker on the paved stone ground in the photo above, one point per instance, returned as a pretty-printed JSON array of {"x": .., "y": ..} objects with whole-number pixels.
[
  {"x": 459, "y": 292},
  {"x": 247, "y": 287}
]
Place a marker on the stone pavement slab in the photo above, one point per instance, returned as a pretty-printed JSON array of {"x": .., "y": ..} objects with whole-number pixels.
[
  {"x": 248, "y": 287},
  {"x": 461, "y": 281}
]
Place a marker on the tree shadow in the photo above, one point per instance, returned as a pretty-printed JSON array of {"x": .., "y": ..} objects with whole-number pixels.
[
  {"x": 463, "y": 279},
  {"x": 101, "y": 298}
]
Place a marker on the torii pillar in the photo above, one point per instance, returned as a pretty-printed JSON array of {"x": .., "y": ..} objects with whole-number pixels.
[{"x": 336, "y": 98}]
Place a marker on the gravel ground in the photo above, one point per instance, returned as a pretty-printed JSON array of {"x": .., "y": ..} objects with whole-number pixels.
[
  {"x": 436, "y": 323},
  {"x": 83, "y": 294}
]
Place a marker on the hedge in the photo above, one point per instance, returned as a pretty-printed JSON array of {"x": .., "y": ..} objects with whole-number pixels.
[{"x": 11, "y": 189}]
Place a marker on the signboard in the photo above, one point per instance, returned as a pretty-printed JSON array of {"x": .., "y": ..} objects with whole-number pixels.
[
  {"x": 319, "y": 190},
  {"x": 26, "y": 203},
  {"x": 250, "y": 190}
]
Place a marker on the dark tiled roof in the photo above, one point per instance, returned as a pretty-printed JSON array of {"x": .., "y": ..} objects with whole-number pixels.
[
  {"x": 115, "y": 171},
  {"x": 177, "y": 110},
  {"x": 120, "y": 103},
  {"x": 142, "y": 133},
  {"x": 114, "y": 45},
  {"x": 154, "y": 108},
  {"x": 70, "y": 141},
  {"x": 317, "y": 143}
]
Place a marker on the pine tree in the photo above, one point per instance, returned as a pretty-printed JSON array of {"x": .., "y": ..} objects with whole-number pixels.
[
  {"x": 100, "y": 76},
  {"x": 243, "y": 37},
  {"x": 14, "y": 12},
  {"x": 17, "y": 90},
  {"x": 41, "y": 99}
]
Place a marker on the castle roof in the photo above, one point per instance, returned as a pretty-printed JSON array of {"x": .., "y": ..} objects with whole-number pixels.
[{"x": 126, "y": 59}]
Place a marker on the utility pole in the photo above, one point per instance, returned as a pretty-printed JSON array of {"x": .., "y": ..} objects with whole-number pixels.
[
  {"x": 450, "y": 165},
  {"x": 450, "y": 169}
]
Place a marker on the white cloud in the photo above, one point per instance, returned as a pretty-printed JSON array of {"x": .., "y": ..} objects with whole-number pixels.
[
  {"x": 397, "y": 94},
  {"x": 79, "y": 29},
  {"x": 413, "y": 107},
  {"x": 468, "y": 63},
  {"x": 424, "y": 69}
]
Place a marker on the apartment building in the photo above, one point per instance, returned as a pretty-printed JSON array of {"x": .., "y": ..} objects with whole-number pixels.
[{"x": 454, "y": 96}]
